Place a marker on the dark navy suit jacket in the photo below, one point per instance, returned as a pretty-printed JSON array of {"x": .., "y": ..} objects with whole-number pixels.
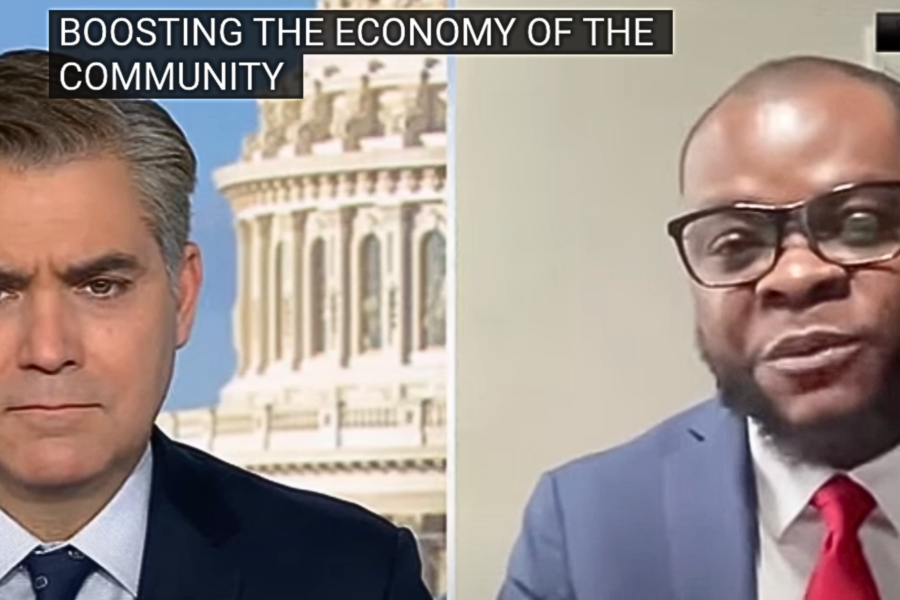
[
  {"x": 668, "y": 516},
  {"x": 217, "y": 532}
]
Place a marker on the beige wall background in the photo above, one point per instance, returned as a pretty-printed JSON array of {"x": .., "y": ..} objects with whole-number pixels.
[{"x": 574, "y": 331}]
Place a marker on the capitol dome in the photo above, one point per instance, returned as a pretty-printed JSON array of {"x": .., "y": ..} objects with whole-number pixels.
[{"x": 340, "y": 323}]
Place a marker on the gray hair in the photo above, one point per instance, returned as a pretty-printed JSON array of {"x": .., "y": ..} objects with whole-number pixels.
[{"x": 36, "y": 130}]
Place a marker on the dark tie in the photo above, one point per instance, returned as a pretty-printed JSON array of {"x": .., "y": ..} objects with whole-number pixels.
[
  {"x": 842, "y": 572},
  {"x": 59, "y": 574}
]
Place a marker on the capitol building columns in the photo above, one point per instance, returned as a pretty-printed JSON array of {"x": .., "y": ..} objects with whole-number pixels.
[
  {"x": 341, "y": 286},
  {"x": 353, "y": 285},
  {"x": 296, "y": 326},
  {"x": 339, "y": 323}
]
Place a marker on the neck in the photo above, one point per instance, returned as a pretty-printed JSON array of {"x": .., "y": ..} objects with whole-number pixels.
[{"x": 58, "y": 514}]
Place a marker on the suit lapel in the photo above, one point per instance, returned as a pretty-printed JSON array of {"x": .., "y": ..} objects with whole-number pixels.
[
  {"x": 711, "y": 511},
  {"x": 188, "y": 524}
]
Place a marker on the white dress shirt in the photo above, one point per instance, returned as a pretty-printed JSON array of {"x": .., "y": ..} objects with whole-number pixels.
[
  {"x": 792, "y": 533},
  {"x": 114, "y": 540}
]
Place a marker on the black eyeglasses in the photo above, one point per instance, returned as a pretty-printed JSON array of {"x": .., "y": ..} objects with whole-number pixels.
[{"x": 737, "y": 244}]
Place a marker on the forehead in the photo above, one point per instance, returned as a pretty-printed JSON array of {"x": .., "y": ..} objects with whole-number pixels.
[
  {"x": 782, "y": 148},
  {"x": 64, "y": 211}
]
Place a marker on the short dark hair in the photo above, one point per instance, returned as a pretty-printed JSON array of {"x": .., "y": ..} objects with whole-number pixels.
[{"x": 792, "y": 71}]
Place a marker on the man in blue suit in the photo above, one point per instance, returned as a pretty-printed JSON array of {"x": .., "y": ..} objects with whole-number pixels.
[{"x": 786, "y": 484}]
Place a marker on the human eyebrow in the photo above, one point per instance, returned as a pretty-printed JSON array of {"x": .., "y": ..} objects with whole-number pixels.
[
  {"x": 113, "y": 262},
  {"x": 13, "y": 279}
]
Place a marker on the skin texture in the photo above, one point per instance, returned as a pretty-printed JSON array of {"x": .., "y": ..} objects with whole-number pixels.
[
  {"x": 779, "y": 146},
  {"x": 88, "y": 319}
]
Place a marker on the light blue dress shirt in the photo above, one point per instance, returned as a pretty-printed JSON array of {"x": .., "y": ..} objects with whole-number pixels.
[{"x": 114, "y": 540}]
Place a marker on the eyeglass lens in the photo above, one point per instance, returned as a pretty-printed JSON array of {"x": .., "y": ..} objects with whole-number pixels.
[{"x": 850, "y": 227}]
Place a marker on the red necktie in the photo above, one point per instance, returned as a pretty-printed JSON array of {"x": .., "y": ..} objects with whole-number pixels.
[{"x": 842, "y": 572}]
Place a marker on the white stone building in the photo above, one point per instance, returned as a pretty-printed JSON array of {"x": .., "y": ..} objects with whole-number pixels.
[{"x": 340, "y": 319}]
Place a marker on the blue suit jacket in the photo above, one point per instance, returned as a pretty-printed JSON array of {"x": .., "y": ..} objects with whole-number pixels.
[{"x": 668, "y": 516}]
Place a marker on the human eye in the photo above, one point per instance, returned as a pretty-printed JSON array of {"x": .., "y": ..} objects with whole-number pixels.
[
  {"x": 734, "y": 241},
  {"x": 859, "y": 218},
  {"x": 105, "y": 288},
  {"x": 866, "y": 225}
]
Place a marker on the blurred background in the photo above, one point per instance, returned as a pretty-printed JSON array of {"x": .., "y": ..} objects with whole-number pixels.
[
  {"x": 574, "y": 331},
  {"x": 318, "y": 358}
]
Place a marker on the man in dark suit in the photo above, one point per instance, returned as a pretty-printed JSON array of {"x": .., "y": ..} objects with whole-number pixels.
[
  {"x": 785, "y": 485},
  {"x": 98, "y": 289}
]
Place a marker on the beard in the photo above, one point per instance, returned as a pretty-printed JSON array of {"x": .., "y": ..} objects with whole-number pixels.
[{"x": 840, "y": 442}]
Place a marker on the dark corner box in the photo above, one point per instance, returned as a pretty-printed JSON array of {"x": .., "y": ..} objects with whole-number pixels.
[{"x": 887, "y": 32}]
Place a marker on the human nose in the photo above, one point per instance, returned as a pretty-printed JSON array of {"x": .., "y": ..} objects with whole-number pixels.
[
  {"x": 48, "y": 340},
  {"x": 800, "y": 278}
]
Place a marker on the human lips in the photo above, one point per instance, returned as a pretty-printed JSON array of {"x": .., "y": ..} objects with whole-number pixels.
[
  {"x": 801, "y": 352},
  {"x": 51, "y": 407}
]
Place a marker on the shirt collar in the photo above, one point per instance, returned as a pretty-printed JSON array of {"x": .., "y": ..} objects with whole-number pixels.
[
  {"x": 882, "y": 478},
  {"x": 17, "y": 544},
  {"x": 785, "y": 488},
  {"x": 114, "y": 539}
]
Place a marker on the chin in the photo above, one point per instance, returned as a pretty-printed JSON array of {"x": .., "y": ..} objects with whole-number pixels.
[
  {"x": 822, "y": 404},
  {"x": 58, "y": 463},
  {"x": 825, "y": 395}
]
